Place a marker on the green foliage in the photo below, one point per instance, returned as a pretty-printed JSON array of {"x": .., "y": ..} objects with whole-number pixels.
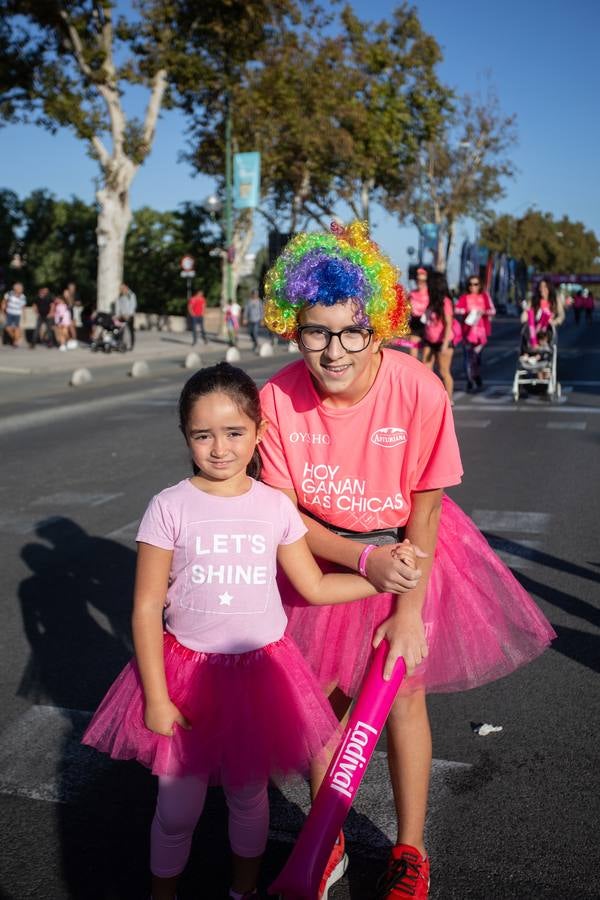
[
  {"x": 548, "y": 244},
  {"x": 155, "y": 244},
  {"x": 336, "y": 118},
  {"x": 57, "y": 238},
  {"x": 460, "y": 169}
]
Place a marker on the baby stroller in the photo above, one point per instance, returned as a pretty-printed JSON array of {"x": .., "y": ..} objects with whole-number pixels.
[
  {"x": 109, "y": 333},
  {"x": 537, "y": 364}
]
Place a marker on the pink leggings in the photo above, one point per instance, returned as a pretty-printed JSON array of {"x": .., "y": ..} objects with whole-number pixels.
[{"x": 179, "y": 806}]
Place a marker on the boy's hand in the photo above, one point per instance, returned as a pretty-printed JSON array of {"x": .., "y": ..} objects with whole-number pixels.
[{"x": 161, "y": 717}]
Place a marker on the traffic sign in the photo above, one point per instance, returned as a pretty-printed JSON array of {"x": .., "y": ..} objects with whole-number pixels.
[{"x": 187, "y": 263}]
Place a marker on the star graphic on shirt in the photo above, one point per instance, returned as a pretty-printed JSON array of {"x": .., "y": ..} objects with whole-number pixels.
[{"x": 225, "y": 599}]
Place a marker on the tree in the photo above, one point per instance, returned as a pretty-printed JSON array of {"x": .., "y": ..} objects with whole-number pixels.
[
  {"x": 335, "y": 117},
  {"x": 58, "y": 241},
  {"x": 460, "y": 170},
  {"x": 11, "y": 215},
  {"x": 155, "y": 244},
  {"x": 84, "y": 60},
  {"x": 547, "y": 244}
]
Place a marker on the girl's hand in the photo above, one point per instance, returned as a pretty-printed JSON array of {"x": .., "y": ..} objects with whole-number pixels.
[
  {"x": 161, "y": 717},
  {"x": 406, "y": 553},
  {"x": 387, "y": 572},
  {"x": 406, "y": 636}
]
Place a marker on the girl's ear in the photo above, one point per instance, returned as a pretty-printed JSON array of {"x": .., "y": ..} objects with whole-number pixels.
[{"x": 261, "y": 430}]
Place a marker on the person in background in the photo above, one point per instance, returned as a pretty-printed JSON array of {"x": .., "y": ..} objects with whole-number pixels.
[
  {"x": 42, "y": 307},
  {"x": 253, "y": 313},
  {"x": 196, "y": 309},
  {"x": 233, "y": 312},
  {"x": 13, "y": 305},
  {"x": 63, "y": 320},
  {"x": 419, "y": 301},
  {"x": 125, "y": 309},
  {"x": 544, "y": 301},
  {"x": 438, "y": 338},
  {"x": 475, "y": 311}
]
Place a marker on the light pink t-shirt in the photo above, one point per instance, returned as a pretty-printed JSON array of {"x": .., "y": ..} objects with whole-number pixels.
[
  {"x": 436, "y": 327},
  {"x": 222, "y": 595},
  {"x": 357, "y": 467},
  {"x": 419, "y": 301}
]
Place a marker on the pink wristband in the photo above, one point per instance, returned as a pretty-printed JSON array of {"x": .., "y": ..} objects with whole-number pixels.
[{"x": 362, "y": 560}]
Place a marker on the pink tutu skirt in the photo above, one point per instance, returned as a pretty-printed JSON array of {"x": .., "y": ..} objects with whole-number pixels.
[
  {"x": 253, "y": 715},
  {"x": 479, "y": 622}
]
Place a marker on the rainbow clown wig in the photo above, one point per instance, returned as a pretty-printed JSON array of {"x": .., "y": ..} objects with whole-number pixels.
[{"x": 330, "y": 269}]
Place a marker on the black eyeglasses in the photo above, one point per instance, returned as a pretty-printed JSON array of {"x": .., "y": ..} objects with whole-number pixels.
[
  {"x": 315, "y": 338},
  {"x": 473, "y": 282}
]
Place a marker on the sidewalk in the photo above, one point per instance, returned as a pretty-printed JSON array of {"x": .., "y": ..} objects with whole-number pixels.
[{"x": 149, "y": 346}]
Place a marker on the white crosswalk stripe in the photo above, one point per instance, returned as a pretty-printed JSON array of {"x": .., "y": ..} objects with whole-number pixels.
[
  {"x": 515, "y": 551},
  {"x": 42, "y": 759},
  {"x": 508, "y": 520},
  {"x": 75, "y": 498}
]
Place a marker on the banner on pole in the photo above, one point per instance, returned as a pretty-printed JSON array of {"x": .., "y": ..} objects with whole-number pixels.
[
  {"x": 246, "y": 180},
  {"x": 429, "y": 233}
]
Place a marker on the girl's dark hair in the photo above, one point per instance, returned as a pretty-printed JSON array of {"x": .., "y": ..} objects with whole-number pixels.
[
  {"x": 437, "y": 288},
  {"x": 226, "y": 379},
  {"x": 537, "y": 296}
]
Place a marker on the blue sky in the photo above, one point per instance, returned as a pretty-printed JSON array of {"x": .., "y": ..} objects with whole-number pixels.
[{"x": 541, "y": 58}]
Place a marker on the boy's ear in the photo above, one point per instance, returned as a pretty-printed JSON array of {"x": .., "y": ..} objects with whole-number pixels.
[{"x": 261, "y": 430}]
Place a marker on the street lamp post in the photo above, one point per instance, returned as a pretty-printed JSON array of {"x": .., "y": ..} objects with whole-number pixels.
[{"x": 228, "y": 196}]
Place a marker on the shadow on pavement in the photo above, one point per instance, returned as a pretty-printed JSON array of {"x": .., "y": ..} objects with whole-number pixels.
[{"x": 76, "y": 607}]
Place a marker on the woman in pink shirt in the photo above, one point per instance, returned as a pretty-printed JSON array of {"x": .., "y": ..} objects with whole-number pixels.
[
  {"x": 475, "y": 311},
  {"x": 361, "y": 439},
  {"x": 439, "y": 336},
  {"x": 419, "y": 301}
]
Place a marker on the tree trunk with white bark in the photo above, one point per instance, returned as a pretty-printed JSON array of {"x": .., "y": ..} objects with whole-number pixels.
[{"x": 114, "y": 218}]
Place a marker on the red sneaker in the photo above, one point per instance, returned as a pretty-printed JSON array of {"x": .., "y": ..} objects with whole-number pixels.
[
  {"x": 335, "y": 868},
  {"x": 407, "y": 875}
]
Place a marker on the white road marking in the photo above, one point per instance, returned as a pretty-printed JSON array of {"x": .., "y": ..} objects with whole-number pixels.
[
  {"x": 75, "y": 498},
  {"x": 125, "y": 532},
  {"x": 372, "y": 821},
  {"x": 42, "y": 759},
  {"x": 523, "y": 560},
  {"x": 572, "y": 426},
  {"x": 473, "y": 423},
  {"x": 16, "y": 525},
  {"x": 526, "y": 407},
  {"x": 42, "y": 417},
  {"x": 508, "y": 520}
]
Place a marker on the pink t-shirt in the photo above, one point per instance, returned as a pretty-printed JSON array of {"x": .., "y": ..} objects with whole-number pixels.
[
  {"x": 479, "y": 331},
  {"x": 419, "y": 301},
  {"x": 436, "y": 327},
  {"x": 62, "y": 313},
  {"x": 222, "y": 596},
  {"x": 357, "y": 467}
]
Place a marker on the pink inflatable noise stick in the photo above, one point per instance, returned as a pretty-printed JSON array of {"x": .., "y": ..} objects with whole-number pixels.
[{"x": 301, "y": 875}]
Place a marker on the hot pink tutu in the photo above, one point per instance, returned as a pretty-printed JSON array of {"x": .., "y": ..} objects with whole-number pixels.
[
  {"x": 480, "y": 623},
  {"x": 253, "y": 715}
]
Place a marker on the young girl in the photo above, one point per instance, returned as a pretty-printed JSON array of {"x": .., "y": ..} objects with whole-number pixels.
[
  {"x": 221, "y": 696},
  {"x": 439, "y": 336},
  {"x": 361, "y": 438}
]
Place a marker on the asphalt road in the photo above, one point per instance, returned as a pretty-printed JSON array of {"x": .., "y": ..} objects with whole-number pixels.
[{"x": 512, "y": 815}]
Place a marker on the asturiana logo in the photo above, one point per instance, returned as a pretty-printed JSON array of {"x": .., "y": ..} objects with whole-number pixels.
[
  {"x": 388, "y": 437},
  {"x": 351, "y": 759}
]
